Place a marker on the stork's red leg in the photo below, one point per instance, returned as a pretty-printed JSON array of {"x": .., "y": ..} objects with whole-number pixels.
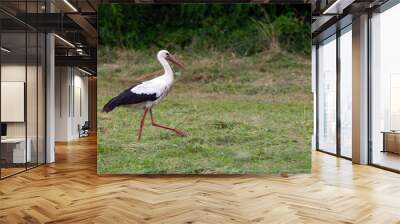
[
  {"x": 177, "y": 131},
  {"x": 142, "y": 124}
]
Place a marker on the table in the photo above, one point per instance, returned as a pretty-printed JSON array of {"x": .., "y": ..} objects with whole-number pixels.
[{"x": 391, "y": 141}]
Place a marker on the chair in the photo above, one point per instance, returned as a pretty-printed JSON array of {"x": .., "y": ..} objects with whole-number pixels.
[{"x": 84, "y": 130}]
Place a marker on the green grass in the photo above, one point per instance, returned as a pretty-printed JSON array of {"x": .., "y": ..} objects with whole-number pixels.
[{"x": 242, "y": 115}]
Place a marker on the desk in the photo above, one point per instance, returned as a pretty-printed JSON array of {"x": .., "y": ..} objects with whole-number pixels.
[
  {"x": 391, "y": 141},
  {"x": 17, "y": 151}
]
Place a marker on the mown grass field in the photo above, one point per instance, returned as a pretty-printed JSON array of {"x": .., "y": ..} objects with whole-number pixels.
[{"x": 242, "y": 115}]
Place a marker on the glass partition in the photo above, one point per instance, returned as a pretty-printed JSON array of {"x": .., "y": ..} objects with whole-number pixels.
[
  {"x": 14, "y": 153},
  {"x": 327, "y": 95},
  {"x": 22, "y": 101}
]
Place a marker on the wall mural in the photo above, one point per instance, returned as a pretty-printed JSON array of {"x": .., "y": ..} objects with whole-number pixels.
[{"x": 204, "y": 89}]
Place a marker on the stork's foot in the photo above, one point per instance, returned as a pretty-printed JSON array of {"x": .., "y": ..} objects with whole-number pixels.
[
  {"x": 177, "y": 131},
  {"x": 180, "y": 133}
]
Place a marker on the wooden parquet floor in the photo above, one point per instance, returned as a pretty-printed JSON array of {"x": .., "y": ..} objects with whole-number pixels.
[{"x": 69, "y": 191}]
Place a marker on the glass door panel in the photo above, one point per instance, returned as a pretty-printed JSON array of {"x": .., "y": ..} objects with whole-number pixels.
[
  {"x": 327, "y": 95},
  {"x": 346, "y": 92}
]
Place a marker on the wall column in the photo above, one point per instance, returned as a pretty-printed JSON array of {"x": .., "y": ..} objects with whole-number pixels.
[
  {"x": 50, "y": 92},
  {"x": 360, "y": 89},
  {"x": 50, "y": 110},
  {"x": 92, "y": 100},
  {"x": 314, "y": 92}
]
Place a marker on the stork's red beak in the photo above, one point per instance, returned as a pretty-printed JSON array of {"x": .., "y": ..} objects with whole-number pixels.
[{"x": 172, "y": 59}]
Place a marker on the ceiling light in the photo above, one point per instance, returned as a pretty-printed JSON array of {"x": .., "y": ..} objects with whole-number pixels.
[
  {"x": 65, "y": 41},
  {"x": 5, "y": 50},
  {"x": 84, "y": 71},
  {"x": 70, "y": 5},
  {"x": 338, "y": 6},
  {"x": 80, "y": 51},
  {"x": 329, "y": 9}
]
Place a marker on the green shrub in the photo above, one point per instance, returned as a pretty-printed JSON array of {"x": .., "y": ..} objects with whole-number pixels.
[{"x": 244, "y": 29}]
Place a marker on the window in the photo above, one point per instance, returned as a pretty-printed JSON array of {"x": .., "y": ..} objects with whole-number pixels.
[
  {"x": 346, "y": 92},
  {"x": 385, "y": 89},
  {"x": 327, "y": 95}
]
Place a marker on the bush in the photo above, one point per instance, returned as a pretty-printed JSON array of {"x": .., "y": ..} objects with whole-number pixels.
[{"x": 244, "y": 29}]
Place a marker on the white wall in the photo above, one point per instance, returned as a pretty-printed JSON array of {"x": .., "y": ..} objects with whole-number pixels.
[
  {"x": 12, "y": 73},
  {"x": 79, "y": 103},
  {"x": 70, "y": 84},
  {"x": 62, "y": 81},
  {"x": 33, "y": 126}
]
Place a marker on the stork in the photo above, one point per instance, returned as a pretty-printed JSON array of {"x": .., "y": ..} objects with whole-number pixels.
[{"x": 145, "y": 95}]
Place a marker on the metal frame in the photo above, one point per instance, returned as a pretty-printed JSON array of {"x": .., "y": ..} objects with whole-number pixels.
[
  {"x": 316, "y": 97},
  {"x": 387, "y": 5},
  {"x": 369, "y": 112},
  {"x": 338, "y": 75},
  {"x": 26, "y": 89}
]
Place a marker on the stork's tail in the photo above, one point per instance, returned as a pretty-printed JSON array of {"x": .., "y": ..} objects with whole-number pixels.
[{"x": 110, "y": 105}]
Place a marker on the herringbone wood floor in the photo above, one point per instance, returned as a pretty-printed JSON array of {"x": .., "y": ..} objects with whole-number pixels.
[{"x": 69, "y": 191}]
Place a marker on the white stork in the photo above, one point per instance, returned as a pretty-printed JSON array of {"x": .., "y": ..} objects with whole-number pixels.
[{"x": 147, "y": 94}]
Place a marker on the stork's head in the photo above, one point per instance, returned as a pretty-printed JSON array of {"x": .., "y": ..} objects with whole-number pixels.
[{"x": 169, "y": 57}]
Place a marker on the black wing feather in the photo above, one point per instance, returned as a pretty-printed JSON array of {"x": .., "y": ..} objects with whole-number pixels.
[{"x": 127, "y": 97}]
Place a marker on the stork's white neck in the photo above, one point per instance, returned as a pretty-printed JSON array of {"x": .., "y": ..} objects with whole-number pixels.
[{"x": 167, "y": 68}]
